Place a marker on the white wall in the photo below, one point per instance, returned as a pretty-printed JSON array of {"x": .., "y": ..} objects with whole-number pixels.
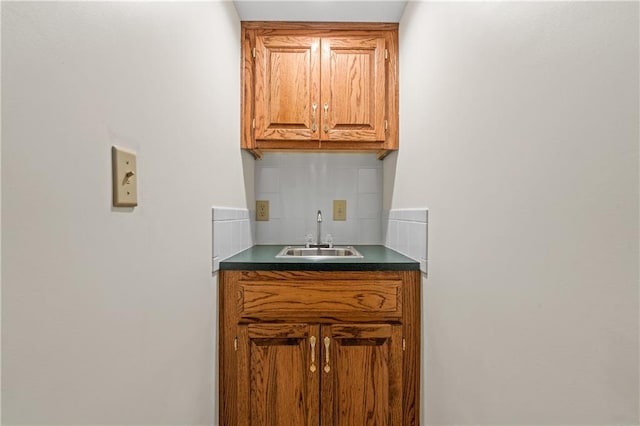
[
  {"x": 108, "y": 315},
  {"x": 519, "y": 132}
]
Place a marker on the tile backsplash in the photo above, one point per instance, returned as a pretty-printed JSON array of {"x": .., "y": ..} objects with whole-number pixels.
[
  {"x": 406, "y": 231},
  {"x": 297, "y": 185},
  {"x": 231, "y": 233}
]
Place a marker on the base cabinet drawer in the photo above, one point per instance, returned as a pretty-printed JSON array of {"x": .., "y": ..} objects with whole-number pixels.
[{"x": 269, "y": 300}]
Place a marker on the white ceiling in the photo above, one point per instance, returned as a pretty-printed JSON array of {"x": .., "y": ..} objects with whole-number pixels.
[{"x": 329, "y": 11}]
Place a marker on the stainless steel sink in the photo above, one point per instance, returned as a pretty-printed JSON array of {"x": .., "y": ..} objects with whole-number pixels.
[{"x": 338, "y": 252}]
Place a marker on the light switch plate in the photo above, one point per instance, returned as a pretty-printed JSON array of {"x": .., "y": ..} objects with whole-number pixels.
[
  {"x": 262, "y": 210},
  {"x": 339, "y": 209},
  {"x": 125, "y": 177}
]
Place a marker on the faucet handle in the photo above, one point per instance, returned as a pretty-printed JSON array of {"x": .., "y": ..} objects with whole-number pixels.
[
  {"x": 308, "y": 240},
  {"x": 329, "y": 240}
]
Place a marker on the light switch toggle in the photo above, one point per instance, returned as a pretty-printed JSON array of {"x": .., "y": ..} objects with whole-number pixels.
[{"x": 128, "y": 176}]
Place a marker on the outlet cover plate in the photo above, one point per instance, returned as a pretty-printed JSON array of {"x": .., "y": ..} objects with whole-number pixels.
[
  {"x": 339, "y": 209},
  {"x": 262, "y": 210}
]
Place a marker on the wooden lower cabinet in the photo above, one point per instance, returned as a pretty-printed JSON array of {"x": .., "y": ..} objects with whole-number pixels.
[{"x": 323, "y": 369}]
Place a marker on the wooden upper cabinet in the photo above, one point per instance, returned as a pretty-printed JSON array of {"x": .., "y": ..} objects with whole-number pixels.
[{"x": 319, "y": 86}]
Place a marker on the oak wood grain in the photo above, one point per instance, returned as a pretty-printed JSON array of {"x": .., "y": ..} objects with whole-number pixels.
[
  {"x": 312, "y": 28},
  {"x": 331, "y": 296},
  {"x": 287, "y": 84},
  {"x": 298, "y": 64},
  {"x": 353, "y": 88},
  {"x": 247, "y": 98},
  {"x": 412, "y": 300},
  {"x": 314, "y": 276},
  {"x": 276, "y": 385},
  {"x": 371, "y": 379},
  {"x": 364, "y": 385},
  {"x": 228, "y": 363},
  {"x": 392, "y": 93}
]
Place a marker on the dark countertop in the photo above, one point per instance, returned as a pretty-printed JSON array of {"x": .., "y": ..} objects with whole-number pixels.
[{"x": 263, "y": 258}]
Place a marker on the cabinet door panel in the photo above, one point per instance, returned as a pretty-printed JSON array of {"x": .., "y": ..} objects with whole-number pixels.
[
  {"x": 353, "y": 88},
  {"x": 363, "y": 385},
  {"x": 276, "y": 384},
  {"x": 287, "y": 85}
]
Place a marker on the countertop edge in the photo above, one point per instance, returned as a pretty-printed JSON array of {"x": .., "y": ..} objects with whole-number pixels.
[
  {"x": 254, "y": 266},
  {"x": 376, "y": 258}
]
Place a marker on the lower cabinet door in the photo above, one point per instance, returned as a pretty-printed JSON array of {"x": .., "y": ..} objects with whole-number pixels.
[
  {"x": 278, "y": 380},
  {"x": 361, "y": 376},
  {"x": 310, "y": 374}
]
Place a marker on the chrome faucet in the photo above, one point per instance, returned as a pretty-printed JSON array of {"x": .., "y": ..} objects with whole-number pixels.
[{"x": 318, "y": 242}]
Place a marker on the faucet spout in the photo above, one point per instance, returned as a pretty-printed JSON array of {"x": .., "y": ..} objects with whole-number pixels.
[{"x": 318, "y": 242}]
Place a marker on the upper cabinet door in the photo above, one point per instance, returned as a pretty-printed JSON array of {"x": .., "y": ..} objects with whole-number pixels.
[
  {"x": 353, "y": 88},
  {"x": 287, "y": 87}
]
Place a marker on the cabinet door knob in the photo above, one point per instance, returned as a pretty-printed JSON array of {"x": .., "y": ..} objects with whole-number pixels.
[
  {"x": 312, "y": 342},
  {"x": 314, "y": 126},
  {"x": 326, "y": 117},
  {"x": 327, "y": 342}
]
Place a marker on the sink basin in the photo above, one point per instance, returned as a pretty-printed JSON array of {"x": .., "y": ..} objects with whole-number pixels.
[{"x": 302, "y": 252}]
